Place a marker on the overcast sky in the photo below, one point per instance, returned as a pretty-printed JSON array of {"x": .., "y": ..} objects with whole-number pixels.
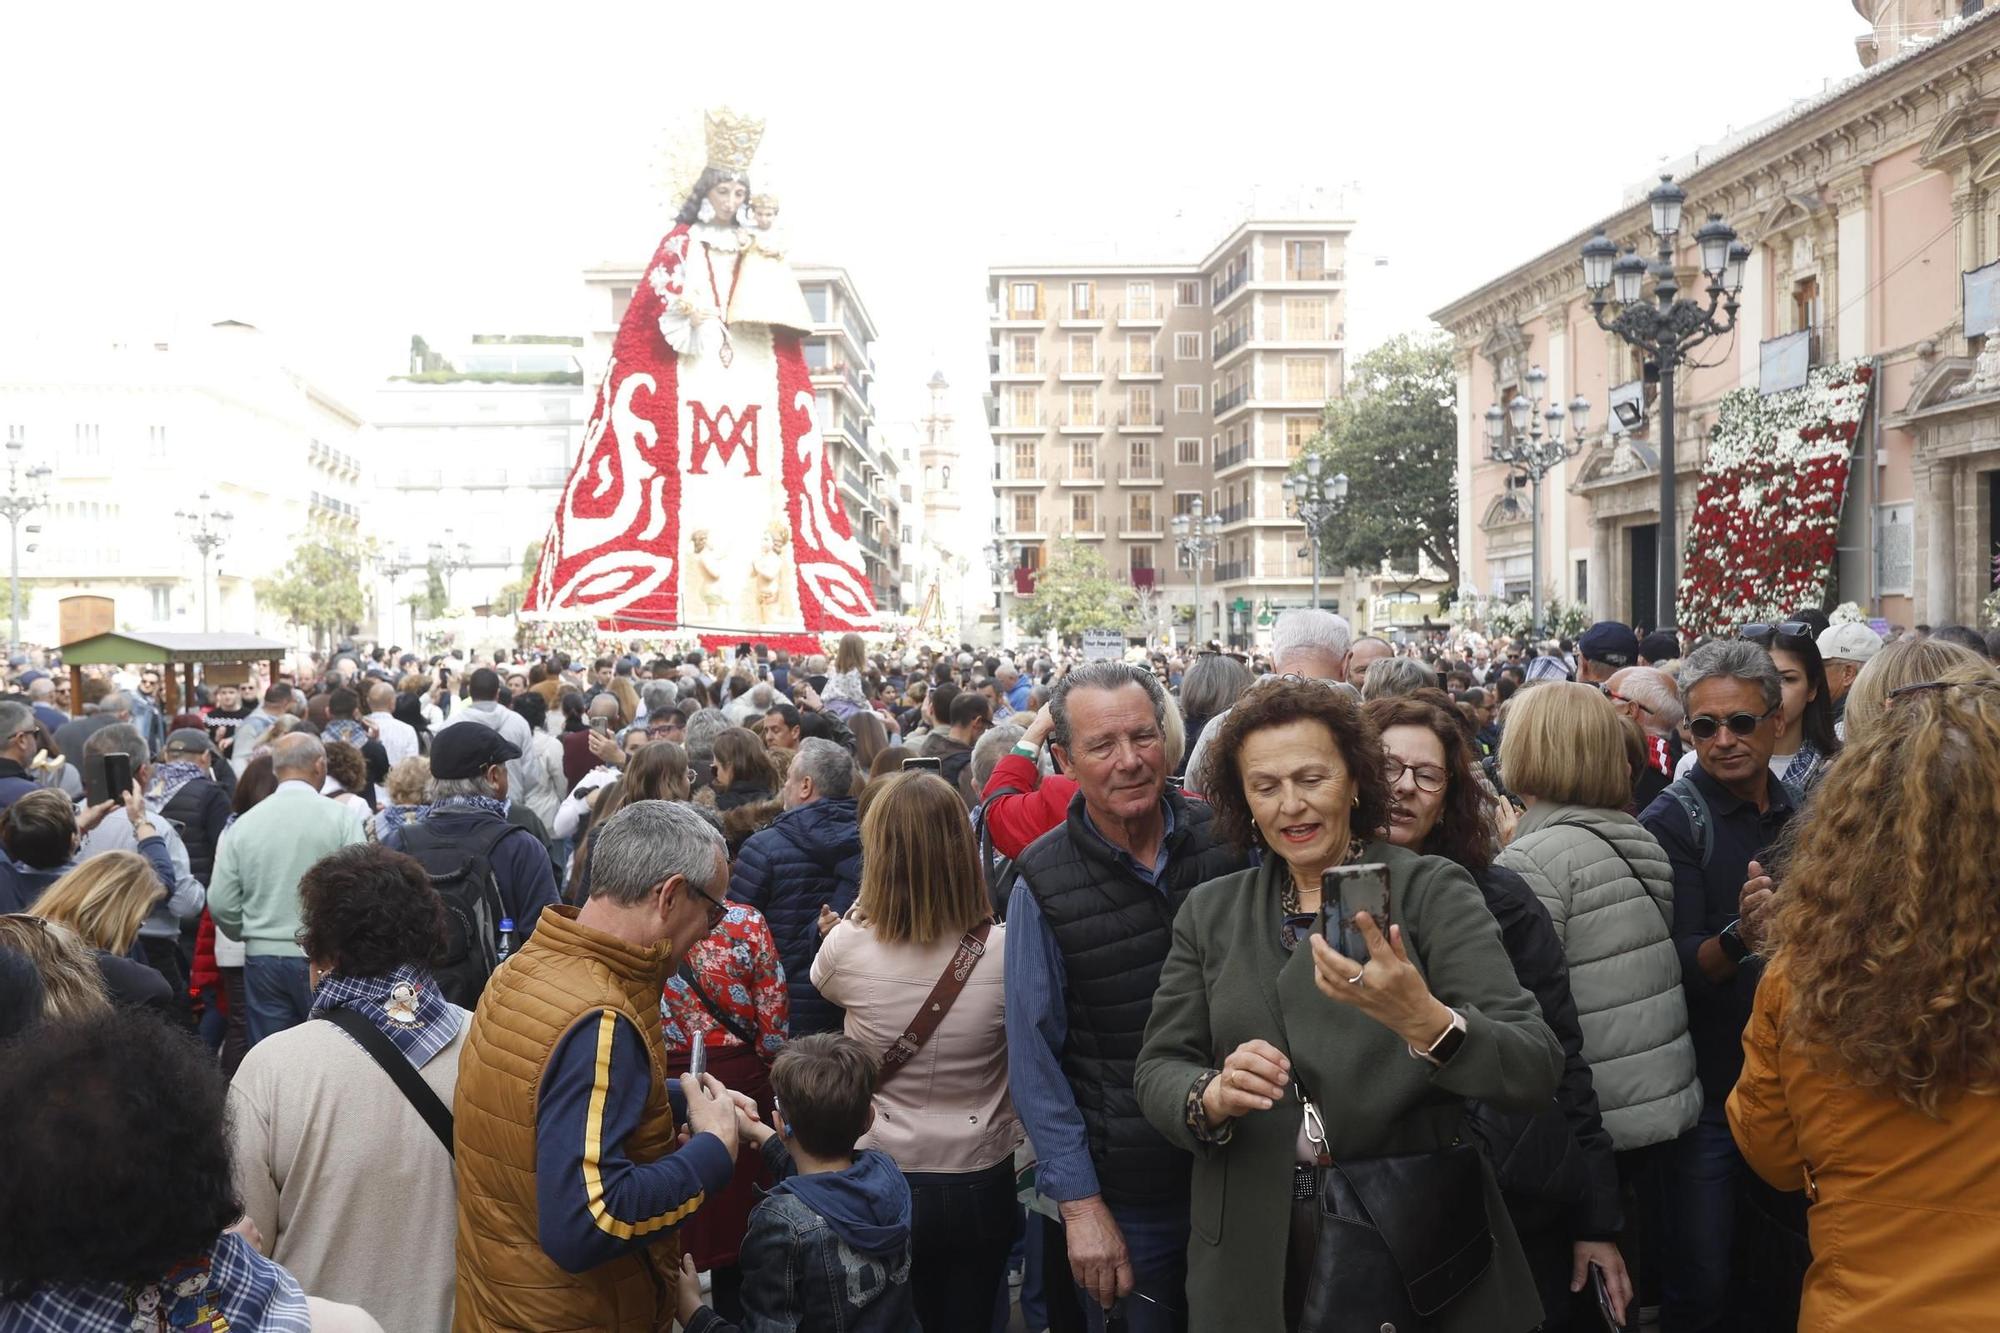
[{"x": 344, "y": 176}]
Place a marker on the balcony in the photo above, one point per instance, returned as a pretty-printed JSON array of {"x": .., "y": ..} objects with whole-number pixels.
[
  {"x": 852, "y": 480},
  {"x": 1149, "y": 525},
  {"x": 1029, "y": 316},
  {"x": 1080, "y": 474},
  {"x": 1235, "y": 513},
  {"x": 1004, "y": 478},
  {"x": 1230, "y": 571},
  {"x": 1090, "y": 371},
  {"x": 1087, "y": 424},
  {"x": 1009, "y": 424},
  {"x": 845, "y": 372},
  {"x": 1144, "y": 576},
  {"x": 1092, "y": 527},
  {"x": 1231, "y": 340},
  {"x": 1136, "y": 369},
  {"x": 1230, "y": 400},
  {"x": 1148, "y": 420},
  {"x": 1313, "y": 273},
  {"x": 1087, "y": 316},
  {"x": 1140, "y": 313},
  {"x": 1228, "y": 458},
  {"x": 1033, "y": 373},
  {"x": 1141, "y": 472},
  {"x": 1015, "y": 525},
  {"x": 1228, "y": 285}
]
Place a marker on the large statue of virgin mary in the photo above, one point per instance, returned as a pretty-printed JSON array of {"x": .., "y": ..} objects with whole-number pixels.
[{"x": 703, "y": 442}]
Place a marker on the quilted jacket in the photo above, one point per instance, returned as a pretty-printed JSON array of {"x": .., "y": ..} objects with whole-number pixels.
[{"x": 808, "y": 856}]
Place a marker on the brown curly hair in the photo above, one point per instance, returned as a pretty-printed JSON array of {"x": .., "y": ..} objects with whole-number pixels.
[
  {"x": 1276, "y": 703},
  {"x": 1464, "y": 831},
  {"x": 1886, "y": 923}
]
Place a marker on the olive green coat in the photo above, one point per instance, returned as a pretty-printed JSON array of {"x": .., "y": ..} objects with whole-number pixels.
[{"x": 1228, "y": 978}]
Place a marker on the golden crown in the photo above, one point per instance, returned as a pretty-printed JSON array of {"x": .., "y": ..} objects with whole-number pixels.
[{"x": 732, "y": 139}]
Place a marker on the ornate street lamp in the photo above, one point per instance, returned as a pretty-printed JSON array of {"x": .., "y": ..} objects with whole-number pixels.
[
  {"x": 450, "y": 557},
  {"x": 1667, "y": 330},
  {"x": 1533, "y": 449},
  {"x": 1197, "y": 536},
  {"x": 27, "y": 491},
  {"x": 202, "y": 528},
  {"x": 1314, "y": 499}
]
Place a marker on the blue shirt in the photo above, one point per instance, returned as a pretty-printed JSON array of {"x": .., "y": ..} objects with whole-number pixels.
[
  {"x": 1017, "y": 698},
  {"x": 1038, "y": 1029}
]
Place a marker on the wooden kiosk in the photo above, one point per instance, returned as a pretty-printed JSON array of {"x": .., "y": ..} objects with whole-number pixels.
[{"x": 169, "y": 651}]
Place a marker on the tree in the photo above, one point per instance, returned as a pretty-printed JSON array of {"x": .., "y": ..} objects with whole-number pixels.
[
  {"x": 320, "y": 589},
  {"x": 1395, "y": 435},
  {"x": 511, "y": 593},
  {"x": 1075, "y": 592},
  {"x": 433, "y": 601}
]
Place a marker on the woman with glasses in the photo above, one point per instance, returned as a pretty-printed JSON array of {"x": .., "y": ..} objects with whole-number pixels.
[{"x": 1556, "y": 1168}]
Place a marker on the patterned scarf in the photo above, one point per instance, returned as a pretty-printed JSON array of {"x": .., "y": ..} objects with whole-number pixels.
[
  {"x": 406, "y": 1005},
  {"x": 392, "y": 817},
  {"x": 346, "y": 729},
  {"x": 1802, "y": 772},
  {"x": 170, "y": 777},
  {"x": 231, "y": 1286},
  {"x": 486, "y": 804}
]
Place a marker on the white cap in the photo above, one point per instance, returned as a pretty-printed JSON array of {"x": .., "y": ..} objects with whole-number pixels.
[{"x": 1851, "y": 642}]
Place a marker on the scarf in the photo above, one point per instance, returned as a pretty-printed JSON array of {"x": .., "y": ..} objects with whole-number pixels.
[
  {"x": 393, "y": 817},
  {"x": 346, "y": 729},
  {"x": 169, "y": 778},
  {"x": 406, "y": 1005},
  {"x": 1802, "y": 772},
  {"x": 482, "y": 804}
]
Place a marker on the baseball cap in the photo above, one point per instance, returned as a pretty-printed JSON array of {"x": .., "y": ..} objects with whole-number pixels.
[
  {"x": 1662, "y": 645},
  {"x": 1610, "y": 643},
  {"x": 1851, "y": 642},
  {"x": 467, "y": 749},
  {"x": 188, "y": 740}
]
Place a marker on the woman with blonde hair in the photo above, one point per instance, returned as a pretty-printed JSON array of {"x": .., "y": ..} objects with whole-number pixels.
[
  {"x": 1871, "y": 1072},
  {"x": 103, "y": 901},
  {"x": 71, "y": 986},
  {"x": 844, "y": 694},
  {"x": 942, "y": 1111},
  {"x": 1906, "y": 662}
]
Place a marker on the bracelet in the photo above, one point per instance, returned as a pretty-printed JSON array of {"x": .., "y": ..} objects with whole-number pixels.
[
  {"x": 1196, "y": 1115},
  {"x": 1027, "y": 751}
]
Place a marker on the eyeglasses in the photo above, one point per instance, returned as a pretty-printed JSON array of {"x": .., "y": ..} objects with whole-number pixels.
[
  {"x": 1923, "y": 686},
  {"x": 1791, "y": 629},
  {"x": 1618, "y": 698},
  {"x": 1703, "y": 728},
  {"x": 1427, "y": 778},
  {"x": 717, "y": 909}
]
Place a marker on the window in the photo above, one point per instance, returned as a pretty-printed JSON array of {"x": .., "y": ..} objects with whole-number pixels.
[
  {"x": 1139, "y": 457},
  {"x": 1187, "y": 398},
  {"x": 1805, "y": 304},
  {"x": 1083, "y": 509},
  {"x": 86, "y": 440},
  {"x": 1025, "y": 516},
  {"x": 156, "y": 441},
  {"x": 1082, "y": 405},
  {"x": 1305, "y": 379},
  {"x": 621, "y": 300},
  {"x": 1082, "y": 353},
  {"x": 1139, "y": 557},
  {"x": 1026, "y": 460},
  {"x": 1142, "y": 511},
  {"x": 1582, "y": 582},
  {"x": 815, "y": 350},
  {"x": 1187, "y": 347},
  {"x": 1083, "y": 460},
  {"x": 1139, "y": 405},
  {"x": 816, "y": 303},
  {"x": 17, "y": 433},
  {"x": 1184, "y": 502},
  {"x": 1139, "y": 353},
  {"x": 1187, "y": 450},
  {"x": 162, "y": 596},
  {"x": 1188, "y": 291},
  {"x": 1305, "y": 261},
  {"x": 1305, "y": 318},
  {"x": 1299, "y": 432},
  {"x": 1139, "y": 299},
  {"x": 1031, "y": 555},
  {"x": 1080, "y": 294},
  {"x": 1023, "y": 410},
  {"x": 1025, "y": 360}
]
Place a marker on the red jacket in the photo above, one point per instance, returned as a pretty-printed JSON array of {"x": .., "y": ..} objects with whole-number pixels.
[{"x": 1032, "y": 807}]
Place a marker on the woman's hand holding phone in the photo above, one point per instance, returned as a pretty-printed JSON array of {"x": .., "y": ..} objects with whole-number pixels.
[{"x": 1388, "y": 988}]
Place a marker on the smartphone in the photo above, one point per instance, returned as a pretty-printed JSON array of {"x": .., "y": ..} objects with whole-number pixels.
[
  {"x": 698, "y": 1059},
  {"x": 600, "y": 725},
  {"x": 925, "y": 765},
  {"x": 106, "y": 777},
  {"x": 1346, "y": 890},
  {"x": 1602, "y": 1291}
]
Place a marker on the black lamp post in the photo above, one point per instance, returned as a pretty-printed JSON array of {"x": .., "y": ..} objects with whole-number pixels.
[
  {"x": 1314, "y": 500},
  {"x": 1528, "y": 450},
  {"x": 1668, "y": 329}
]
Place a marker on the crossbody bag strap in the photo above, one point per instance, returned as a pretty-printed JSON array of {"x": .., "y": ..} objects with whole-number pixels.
[
  {"x": 1315, "y": 1125},
  {"x": 408, "y": 1081},
  {"x": 938, "y": 1003},
  {"x": 730, "y": 1022}
]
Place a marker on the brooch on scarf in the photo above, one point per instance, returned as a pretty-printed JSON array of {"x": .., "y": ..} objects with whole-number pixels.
[{"x": 401, "y": 1005}]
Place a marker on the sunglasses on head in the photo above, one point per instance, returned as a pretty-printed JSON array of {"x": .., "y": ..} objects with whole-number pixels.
[
  {"x": 1704, "y": 728},
  {"x": 1790, "y": 629}
]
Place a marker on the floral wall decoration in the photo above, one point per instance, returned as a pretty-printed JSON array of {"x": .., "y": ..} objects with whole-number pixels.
[{"x": 1767, "y": 516}]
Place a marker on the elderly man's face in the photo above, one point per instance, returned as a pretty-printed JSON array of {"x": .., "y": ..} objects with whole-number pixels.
[{"x": 1117, "y": 751}]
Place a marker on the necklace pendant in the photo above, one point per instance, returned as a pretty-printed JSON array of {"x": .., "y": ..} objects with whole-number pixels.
[
  {"x": 401, "y": 1006},
  {"x": 728, "y": 354}
]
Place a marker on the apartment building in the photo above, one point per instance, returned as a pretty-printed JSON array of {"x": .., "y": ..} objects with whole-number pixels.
[{"x": 1123, "y": 395}]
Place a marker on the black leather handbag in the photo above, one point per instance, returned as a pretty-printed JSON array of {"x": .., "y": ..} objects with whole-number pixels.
[{"x": 1384, "y": 1244}]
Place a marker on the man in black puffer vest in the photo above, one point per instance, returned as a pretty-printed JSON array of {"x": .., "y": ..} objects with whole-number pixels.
[{"x": 1088, "y": 927}]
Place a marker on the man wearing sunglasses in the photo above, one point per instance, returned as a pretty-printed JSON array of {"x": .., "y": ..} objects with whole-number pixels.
[{"x": 1717, "y": 826}]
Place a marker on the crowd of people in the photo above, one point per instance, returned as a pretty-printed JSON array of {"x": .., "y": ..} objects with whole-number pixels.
[{"x": 1432, "y": 985}]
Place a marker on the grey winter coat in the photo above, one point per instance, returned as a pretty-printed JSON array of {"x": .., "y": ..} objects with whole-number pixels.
[{"x": 1610, "y": 895}]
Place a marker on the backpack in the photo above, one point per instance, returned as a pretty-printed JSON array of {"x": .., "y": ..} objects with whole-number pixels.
[
  {"x": 1695, "y": 805},
  {"x": 997, "y": 869},
  {"x": 462, "y": 874}
]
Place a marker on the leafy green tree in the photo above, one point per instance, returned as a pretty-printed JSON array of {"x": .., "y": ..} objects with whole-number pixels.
[
  {"x": 433, "y": 601},
  {"x": 508, "y": 599},
  {"x": 1395, "y": 435},
  {"x": 1074, "y": 592},
  {"x": 320, "y": 589}
]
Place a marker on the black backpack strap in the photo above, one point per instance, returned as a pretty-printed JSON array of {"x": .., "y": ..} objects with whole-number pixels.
[
  {"x": 731, "y": 1024},
  {"x": 1695, "y": 806},
  {"x": 408, "y": 1081}
]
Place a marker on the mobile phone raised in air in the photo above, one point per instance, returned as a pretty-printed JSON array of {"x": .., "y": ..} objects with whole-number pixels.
[
  {"x": 600, "y": 725},
  {"x": 925, "y": 765},
  {"x": 1345, "y": 890}
]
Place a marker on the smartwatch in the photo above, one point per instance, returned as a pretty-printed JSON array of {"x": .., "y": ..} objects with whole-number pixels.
[
  {"x": 1440, "y": 1051},
  {"x": 1734, "y": 947}
]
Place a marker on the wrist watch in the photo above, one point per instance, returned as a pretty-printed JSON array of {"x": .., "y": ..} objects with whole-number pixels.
[
  {"x": 1440, "y": 1051},
  {"x": 1734, "y": 946}
]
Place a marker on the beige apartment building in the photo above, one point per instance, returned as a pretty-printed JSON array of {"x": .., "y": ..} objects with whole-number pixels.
[{"x": 1122, "y": 395}]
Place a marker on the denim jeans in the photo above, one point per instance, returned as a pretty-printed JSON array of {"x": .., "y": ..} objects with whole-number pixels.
[
  {"x": 961, "y": 1227},
  {"x": 1156, "y": 1239},
  {"x": 277, "y": 995},
  {"x": 1701, "y": 1202}
]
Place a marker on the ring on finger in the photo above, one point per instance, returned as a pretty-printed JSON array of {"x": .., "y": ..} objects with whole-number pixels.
[{"x": 1356, "y": 979}]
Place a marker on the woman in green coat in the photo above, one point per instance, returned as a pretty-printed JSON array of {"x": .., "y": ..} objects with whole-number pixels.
[{"x": 1254, "y": 1005}]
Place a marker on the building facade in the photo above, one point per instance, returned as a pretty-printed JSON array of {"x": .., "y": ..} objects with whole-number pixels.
[
  {"x": 469, "y": 451},
  {"x": 136, "y": 430},
  {"x": 938, "y": 545},
  {"x": 1873, "y": 217},
  {"x": 1123, "y": 394},
  {"x": 843, "y": 373}
]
